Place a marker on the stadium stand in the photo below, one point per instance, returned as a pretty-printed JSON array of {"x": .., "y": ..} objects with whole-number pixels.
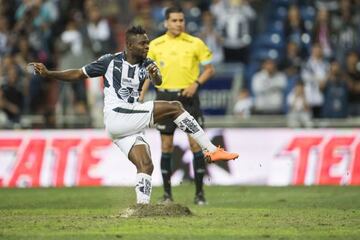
[{"x": 52, "y": 31}]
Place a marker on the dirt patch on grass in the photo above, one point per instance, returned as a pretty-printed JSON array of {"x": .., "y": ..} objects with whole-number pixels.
[{"x": 169, "y": 210}]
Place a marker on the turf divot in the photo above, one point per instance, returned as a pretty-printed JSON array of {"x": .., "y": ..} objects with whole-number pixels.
[{"x": 156, "y": 210}]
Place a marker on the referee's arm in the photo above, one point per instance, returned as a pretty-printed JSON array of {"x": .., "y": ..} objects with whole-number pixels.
[{"x": 206, "y": 74}]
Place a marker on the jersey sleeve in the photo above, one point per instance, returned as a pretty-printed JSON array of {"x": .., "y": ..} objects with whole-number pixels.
[
  {"x": 203, "y": 52},
  {"x": 98, "y": 67}
]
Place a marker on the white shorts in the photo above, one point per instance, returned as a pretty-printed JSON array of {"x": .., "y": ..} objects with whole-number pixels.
[
  {"x": 126, "y": 123},
  {"x": 126, "y": 143}
]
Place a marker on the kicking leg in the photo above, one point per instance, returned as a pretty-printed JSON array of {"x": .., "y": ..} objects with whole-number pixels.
[
  {"x": 187, "y": 123},
  {"x": 139, "y": 155},
  {"x": 175, "y": 111}
]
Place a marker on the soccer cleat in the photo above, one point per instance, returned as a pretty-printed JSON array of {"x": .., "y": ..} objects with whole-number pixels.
[
  {"x": 219, "y": 155},
  {"x": 200, "y": 199}
]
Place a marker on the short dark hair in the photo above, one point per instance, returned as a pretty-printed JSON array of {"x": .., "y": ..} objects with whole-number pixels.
[
  {"x": 173, "y": 9},
  {"x": 134, "y": 30}
]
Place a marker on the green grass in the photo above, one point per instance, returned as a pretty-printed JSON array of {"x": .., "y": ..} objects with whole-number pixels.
[{"x": 232, "y": 213}]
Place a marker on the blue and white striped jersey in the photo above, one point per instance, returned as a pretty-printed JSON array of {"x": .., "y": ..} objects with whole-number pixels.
[{"x": 122, "y": 81}]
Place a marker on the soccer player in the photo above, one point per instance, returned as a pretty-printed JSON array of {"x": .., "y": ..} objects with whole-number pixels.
[
  {"x": 179, "y": 56},
  {"x": 125, "y": 117}
]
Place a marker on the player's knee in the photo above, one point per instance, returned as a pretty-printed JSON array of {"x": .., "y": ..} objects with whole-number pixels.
[
  {"x": 149, "y": 168},
  {"x": 177, "y": 106},
  {"x": 146, "y": 166}
]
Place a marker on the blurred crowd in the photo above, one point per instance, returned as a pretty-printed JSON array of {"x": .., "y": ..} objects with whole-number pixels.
[
  {"x": 305, "y": 62},
  {"x": 300, "y": 57}
]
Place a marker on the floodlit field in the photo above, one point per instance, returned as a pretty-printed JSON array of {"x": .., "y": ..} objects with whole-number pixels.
[{"x": 232, "y": 213}]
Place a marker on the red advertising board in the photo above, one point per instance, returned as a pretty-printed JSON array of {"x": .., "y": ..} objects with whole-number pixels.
[{"x": 267, "y": 157}]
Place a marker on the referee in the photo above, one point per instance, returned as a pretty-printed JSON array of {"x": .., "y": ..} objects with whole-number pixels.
[{"x": 179, "y": 55}]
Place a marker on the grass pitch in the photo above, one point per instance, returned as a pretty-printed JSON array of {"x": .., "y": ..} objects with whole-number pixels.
[{"x": 235, "y": 212}]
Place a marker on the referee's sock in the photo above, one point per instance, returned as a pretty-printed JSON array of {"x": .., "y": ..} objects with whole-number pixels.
[
  {"x": 199, "y": 171},
  {"x": 188, "y": 124},
  {"x": 165, "y": 164}
]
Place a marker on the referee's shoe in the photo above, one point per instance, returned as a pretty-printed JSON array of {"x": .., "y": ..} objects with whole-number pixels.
[{"x": 200, "y": 199}]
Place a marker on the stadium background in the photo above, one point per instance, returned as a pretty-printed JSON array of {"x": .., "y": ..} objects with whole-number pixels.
[{"x": 41, "y": 143}]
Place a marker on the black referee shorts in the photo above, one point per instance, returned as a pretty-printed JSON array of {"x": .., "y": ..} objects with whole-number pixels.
[{"x": 192, "y": 105}]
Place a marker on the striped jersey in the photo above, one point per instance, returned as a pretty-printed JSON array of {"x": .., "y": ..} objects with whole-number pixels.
[{"x": 122, "y": 81}]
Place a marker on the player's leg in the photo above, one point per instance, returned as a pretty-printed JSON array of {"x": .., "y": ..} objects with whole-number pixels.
[
  {"x": 125, "y": 124},
  {"x": 174, "y": 110},
  {"x": 199, "y": 171},
  {"x": 139, "y": 155},
  {"x": 165, "y": 164}
]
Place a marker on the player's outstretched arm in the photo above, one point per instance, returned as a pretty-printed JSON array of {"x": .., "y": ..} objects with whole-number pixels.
[
  {"x": 154, "y": 74},
  {"x": 66, "y": 75}
]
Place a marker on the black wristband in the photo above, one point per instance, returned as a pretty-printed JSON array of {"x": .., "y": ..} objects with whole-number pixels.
[{"x": 198, "y": 83}]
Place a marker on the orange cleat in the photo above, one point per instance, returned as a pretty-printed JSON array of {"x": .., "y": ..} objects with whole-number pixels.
[{"x": 219, "y": 155}]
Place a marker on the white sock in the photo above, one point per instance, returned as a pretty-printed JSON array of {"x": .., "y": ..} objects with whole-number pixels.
[
  {"x": 188, "y": 124},
  {"x": 143, "y": 188}
]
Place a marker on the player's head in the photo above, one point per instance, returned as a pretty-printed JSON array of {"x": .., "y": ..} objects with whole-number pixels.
[
  {"x": 137, "y": 42},
  {"x": 174, "y": 20}
]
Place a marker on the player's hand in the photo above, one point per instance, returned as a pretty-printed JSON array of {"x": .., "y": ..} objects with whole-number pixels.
[
  {"x": 153, "y": 70},
  {"x": 154, "y": 74},
  {"x": 38, "y": 68},
  {"x": 190, "y": 91}
]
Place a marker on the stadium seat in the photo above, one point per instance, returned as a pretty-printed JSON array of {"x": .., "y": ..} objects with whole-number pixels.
[
  {"x": 269, "y": 40},
  {"x": 264, "y": 53},
  {"x": 279, "y": 13},
  {"x": 282, "y": 3},
  {"x": 276, "y": 26},
  {"x": 308, "y": 13}
]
